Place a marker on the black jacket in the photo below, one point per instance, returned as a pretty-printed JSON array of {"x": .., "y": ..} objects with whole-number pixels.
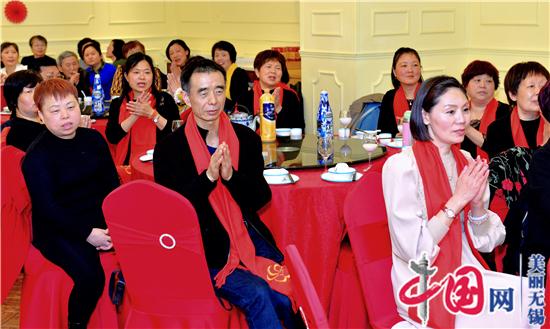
[{"x": 174, "y": 168}]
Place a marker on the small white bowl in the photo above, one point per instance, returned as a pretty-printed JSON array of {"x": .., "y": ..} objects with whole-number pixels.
[
  {"x": 343, "y": 171},
  {"x": 282, "y": 132},
  {"x": 384, "y": 138}
]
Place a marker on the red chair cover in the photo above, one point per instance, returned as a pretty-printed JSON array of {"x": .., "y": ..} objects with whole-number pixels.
[
  {"x": 367, "y": 224},
  {"x": 347, "y": 305},
  {"x": 310, "y": 306},
  {"x": 158, "y": 241},
  {"x": 16, "y": 216},
  {"x": 45, "y": 295}
]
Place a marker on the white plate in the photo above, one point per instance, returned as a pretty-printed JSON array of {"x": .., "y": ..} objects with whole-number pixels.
[
  {"x": 146, "y": 157},
  {"x": 330, "y": 177},
  {"x": 280, "y": 180},
  {"x": 396, "y": 144}
]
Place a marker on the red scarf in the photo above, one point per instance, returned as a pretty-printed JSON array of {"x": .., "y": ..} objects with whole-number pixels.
[
  {"x": 258, "y": 92},
  {"x": 489, "y": 115},
  {"x": 517, "y": 130},
  {"x": 400, "y": 102},
  {"x": 437, "y": 191},
  {"x": 241, "y": 249},
  {"x": 144, "y": 132}
]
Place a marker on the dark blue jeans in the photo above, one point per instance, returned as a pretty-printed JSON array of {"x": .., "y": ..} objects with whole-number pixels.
[{"x": 262, "y": 306}]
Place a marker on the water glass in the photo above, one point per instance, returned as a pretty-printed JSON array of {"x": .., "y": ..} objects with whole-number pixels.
[
  {"x": 325, "y": 147},
  {"x": 370, "y": 144}
]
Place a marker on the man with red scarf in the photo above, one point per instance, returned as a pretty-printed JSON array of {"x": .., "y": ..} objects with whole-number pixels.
[{"x": 218, "y": 166}]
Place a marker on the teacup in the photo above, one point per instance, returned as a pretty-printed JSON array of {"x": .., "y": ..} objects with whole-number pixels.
[
  {"x": 283, "y": 134},
  {"x": 296, "y": 133}
]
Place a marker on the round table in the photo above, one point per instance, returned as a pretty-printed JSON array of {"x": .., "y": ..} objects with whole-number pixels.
[{"x": 308, "y": 214}]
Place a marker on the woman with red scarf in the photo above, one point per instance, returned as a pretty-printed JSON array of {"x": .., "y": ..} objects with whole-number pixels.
[
  {"x": 142, "y": 115},
  {"x": 480, "y": 78},
  {"x": 270, "y": 68},
  {"x": 406, "y": 78},
  {"x": 523, "y": 126},
  {"x": 436, "y": 199}
]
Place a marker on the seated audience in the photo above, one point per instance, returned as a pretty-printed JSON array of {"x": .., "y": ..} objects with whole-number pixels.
[
  {"x": 130, "y": 48},
  {"x": 480, "y": 78},
  {"x": 537, "y": 193},
  {"x": 38, "y": 45},
  {"x": 224, "y": 54},
  {"x": 94, "y": 59},
  {"x": 177, "y": 53},
  {"x": 142, "y": 115},
  {"x": 10, "y": 60},
  {"x": 270, "y": 68},
  {"x": 24, "y": 122},
  {"x": 69, "y": 171},
  {"x": 67, "y": 62},
  {"x": 436, "y": 199},
  {"x": 218, "y": 166},
  {"x": 47, "y": 68},
  {"x": 406, "y": 77},
  {"x": 114, "y": 52},
  {"x": 523, "y": 125}
]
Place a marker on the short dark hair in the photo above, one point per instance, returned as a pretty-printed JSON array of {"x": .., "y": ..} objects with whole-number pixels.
[
  {"x": 79, "y": 45},
  {"x": 44, "y": 61},
  {"x": 198, "y": 64},
  {"x": 517, "y": 73},
  {"x": 54, "y": 87},
  {"x": 178, "y": 42},
  {"x": 131, "y": 45},
  {"x": 117, "y": 48},
  {"x": 131, "y": 62},
  {"x": 38, "y": 37},
  {"x": 544, "y": 101},
  {"x": 8, "y": 44},
  {"x": 92, "y": 43},
  {"x": 267, "y": 55},
  {"x": 14, "y": 84},
  {"x": 227, "y": 46},
  {"x": 398, "y": 53},
  {"x": 427, "y": 97},
  {"x": 478, "y": 67}
]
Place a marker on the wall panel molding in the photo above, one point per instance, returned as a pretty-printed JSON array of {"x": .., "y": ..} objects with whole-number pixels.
[
  {"x": 387, "y": 23},
  {"x": 328, "y": 80},
  {"x": 121, "y": 14},
  {"x": 327, "y": 23},
  {"x": 437, "y": 21},
  {"x": 509, "y": 14}
]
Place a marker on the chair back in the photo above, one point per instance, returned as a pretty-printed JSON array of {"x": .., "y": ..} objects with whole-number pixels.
[
  {"x": 368, "y": 118},
  {"x": 16, "y": 217},
  {"x": 364, "y": 111},
  {"x": 367, "y": 226},
  {"x": 306, "y": 296},
  {"x": 156, "y": 234}
]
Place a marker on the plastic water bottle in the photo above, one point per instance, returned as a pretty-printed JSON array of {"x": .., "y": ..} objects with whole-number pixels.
[
  {"x": 98, "y": 108},
  {"x": 407, "y": 137},
  {"x": 324, "y": 117}
]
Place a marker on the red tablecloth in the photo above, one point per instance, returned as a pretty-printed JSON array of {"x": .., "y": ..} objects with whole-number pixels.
[{"x": 308, "y": 214}]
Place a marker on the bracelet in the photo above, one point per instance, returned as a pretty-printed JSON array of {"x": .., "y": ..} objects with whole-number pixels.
[
  {"x": 153, "y": 114},
  {"x": 477, "y": 220}
]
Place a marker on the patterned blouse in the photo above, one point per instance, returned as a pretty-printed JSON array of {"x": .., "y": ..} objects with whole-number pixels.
[{"x": 508, "y": 172}]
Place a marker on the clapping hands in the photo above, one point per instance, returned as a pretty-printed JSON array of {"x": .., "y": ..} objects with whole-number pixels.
[
  {"x": 220, "y": 164},
  {"x": 100, "y": 239},
  {"x": 140, "y": 106},
  {"x": 472, "y": 183}
]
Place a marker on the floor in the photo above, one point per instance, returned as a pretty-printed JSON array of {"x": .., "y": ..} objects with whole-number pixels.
[{"x": 10, "y": 308}]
